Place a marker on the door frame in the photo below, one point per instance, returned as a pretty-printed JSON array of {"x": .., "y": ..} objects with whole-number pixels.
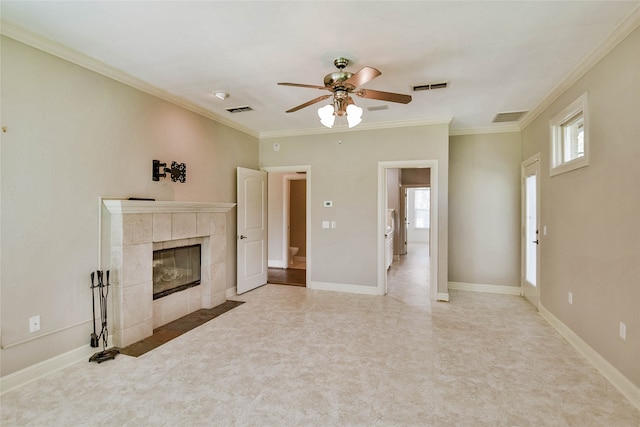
[
  {"x": 294, "y": 169},
  {"x": 531, "y": 161},
  {"x": 286, "y": 217},
  {"x": 382, "y": 215}
]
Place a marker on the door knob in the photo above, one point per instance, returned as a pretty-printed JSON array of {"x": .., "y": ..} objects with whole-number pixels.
[
  {"x": 535, "y": 241},
  {"x": 242, "y": 237}
]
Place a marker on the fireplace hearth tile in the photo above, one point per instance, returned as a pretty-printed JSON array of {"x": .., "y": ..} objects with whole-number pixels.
[{"x": 166, "y": 333}]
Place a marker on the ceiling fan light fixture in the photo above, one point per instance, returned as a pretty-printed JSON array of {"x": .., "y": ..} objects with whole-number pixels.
[
  {"x": 354, "y": 115},
  {"x": 326, "y": 115}
]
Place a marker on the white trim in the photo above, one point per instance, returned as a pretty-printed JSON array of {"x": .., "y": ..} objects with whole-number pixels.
[
  {"x": 619, "y": 381},
  {"x": 46, "y": 367},
  {"x": 441, "y": 296},
  {"x": 361, "y": 127},
  {"x": 492, "y": 289},
  {"x": 68, "y": 54},
  {"x": 276, "y": 263},
  {"x": 344, "y": 287},
  {"x": 626, "y": 27},
  {"x": 382, "y": 216},
  {"x": 483, "y": 130}
]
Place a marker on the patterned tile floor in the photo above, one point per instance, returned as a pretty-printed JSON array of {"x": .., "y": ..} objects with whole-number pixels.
[{"x": 293, "y": 356}]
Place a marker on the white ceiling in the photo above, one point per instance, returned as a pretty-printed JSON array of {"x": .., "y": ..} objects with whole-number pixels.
[{"x": 496, "y": 56}]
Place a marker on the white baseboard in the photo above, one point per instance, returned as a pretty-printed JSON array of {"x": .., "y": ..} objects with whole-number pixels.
[
  {"x": 441, "y": 296},
  {"x": 46, "y": 367},
  {"x": 341, "y": 287},
  {"x": 626, "y": 387},
  {"x": 276, "y": 263},
  {"x": 493, "y": 289}
]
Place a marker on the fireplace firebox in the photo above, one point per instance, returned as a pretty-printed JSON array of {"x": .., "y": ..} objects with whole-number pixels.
[{"x": 175, "y": 270}]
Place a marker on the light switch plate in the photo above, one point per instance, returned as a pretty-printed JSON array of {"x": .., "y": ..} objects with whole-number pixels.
[{"x": 328, "y": 204}]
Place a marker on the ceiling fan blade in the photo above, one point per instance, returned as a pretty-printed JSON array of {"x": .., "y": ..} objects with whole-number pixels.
[
  {"x": 363, "y": 76},
  {"x": 301, "y": 85},
  {"x": 306, "y": 104},
  {"x": 384, "y": 96}
]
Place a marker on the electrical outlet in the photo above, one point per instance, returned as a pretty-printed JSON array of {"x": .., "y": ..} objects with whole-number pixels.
[
  {"x": 570, "y": 297},
  {"x": 623, "y": 331},
  {"x": 34, "y": 324}
]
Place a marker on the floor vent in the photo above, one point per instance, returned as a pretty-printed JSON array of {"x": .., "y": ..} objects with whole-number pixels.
[
  {"x": 509, "y": 117},
  {"x": 430, "y": 86},
  {"x": 239, "y": 109}
]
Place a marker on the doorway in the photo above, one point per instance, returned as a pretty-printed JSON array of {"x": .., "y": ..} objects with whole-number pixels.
[
  {"x": 387, "y": 186},
  {"x": 417, "y": 208},
  {"x": 530, "y": 246},
  {"x": 288, "y": 225}
]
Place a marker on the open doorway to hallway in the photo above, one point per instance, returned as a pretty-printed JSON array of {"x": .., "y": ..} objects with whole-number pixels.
[
  {"x": 408, "y": 202},
  {"x": 287, "y": 227}
]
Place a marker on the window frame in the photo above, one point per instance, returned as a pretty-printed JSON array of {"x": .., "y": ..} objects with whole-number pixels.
[
  {"x": 557, "y": 125},
  {"x": 427, "y": 210}
]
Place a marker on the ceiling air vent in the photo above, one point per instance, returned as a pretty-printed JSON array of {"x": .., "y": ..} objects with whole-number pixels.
[
  {"x": 430, "y": 86},
  {"x": 378, "y": 107},
  {"x": 509, "y": 117},
  {"x": 239, "y": 109}
]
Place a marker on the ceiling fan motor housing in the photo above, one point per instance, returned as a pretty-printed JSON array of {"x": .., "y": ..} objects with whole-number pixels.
[{"x": 335, "y": 79}]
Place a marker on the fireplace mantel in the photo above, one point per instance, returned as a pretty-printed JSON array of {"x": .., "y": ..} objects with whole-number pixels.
[{"x": 147, "y": 206}]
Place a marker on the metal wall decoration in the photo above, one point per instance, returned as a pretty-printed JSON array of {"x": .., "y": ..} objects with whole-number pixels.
[{"x": 177, "y": 170}]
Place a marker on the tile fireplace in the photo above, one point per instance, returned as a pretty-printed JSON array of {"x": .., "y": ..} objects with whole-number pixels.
[{"x": 131, "y": 231}]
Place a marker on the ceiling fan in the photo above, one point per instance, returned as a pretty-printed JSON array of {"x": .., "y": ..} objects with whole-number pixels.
[{"x": 342, "y": 84}]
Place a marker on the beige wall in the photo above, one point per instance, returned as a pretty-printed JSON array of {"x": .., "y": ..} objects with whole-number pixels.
[
  {"x": 344, "y": 168},
  {"x": 74, "y": 135},
  {"x": 592, "y": 214},
  {"x": 484, "y": 209}
]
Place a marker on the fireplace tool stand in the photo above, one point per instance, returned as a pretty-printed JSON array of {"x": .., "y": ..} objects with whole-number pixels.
[{"x": 102, "y": 288}]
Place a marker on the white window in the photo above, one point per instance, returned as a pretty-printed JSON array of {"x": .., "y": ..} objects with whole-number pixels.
[
  {"x": 570, "y": 137},
  {"x": 421, "y": 201}
]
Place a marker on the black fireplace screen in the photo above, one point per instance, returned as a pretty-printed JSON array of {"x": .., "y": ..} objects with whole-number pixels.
[{"x": 175, "y": 269}]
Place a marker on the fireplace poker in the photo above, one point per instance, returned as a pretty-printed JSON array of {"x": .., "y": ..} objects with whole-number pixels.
[
  {"x": 105, "y": 354},
  {"x": 94, "y": 336}
]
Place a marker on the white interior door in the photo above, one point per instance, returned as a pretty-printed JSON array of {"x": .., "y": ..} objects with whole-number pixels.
[
  {"x": 531, "y": 230},
  {"x": 252, "y": 229}
]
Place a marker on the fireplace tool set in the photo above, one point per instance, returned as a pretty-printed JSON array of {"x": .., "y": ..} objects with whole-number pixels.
[{"x": 101, "y": 287}]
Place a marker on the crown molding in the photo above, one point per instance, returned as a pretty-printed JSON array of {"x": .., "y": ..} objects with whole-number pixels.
[
  {"x": 70, "y": 55},
  {"x": 626, "y": 27},
  {"x": 485, "y": 130},
  {"x": 359, "y": 128}
]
